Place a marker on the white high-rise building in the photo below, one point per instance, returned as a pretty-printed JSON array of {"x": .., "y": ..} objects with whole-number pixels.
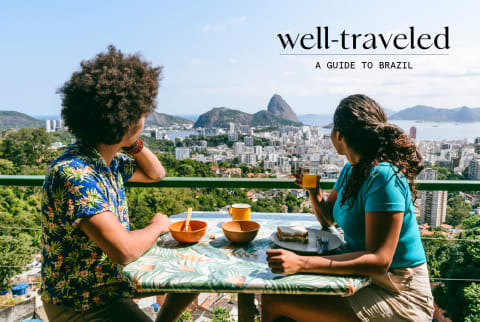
[
  {"x": 268, "y": 150},
  {"x": 231, "y": 127},
  {"x": 203, "y": 144},
  {"x": 248, "y": 158},
  {"x": 238, "y": 148},
  {"x": 243, "y": 129},
  {"x": 433, "y": 204},
  {"x": 248, "y": 140},
  {"x": 258, "y": 151},
  {"x": 54, "y": 125},
  {"x": 474, "y": 169},
  {"x": 232, "y": 136},
  {"x": 182, "y": 153}
]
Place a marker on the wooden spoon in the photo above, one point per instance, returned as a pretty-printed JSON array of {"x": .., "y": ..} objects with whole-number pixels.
[{"x": 187, "y": 221}]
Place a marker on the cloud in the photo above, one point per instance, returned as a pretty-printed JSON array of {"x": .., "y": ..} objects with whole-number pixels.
[
  {"x": 195, "y": 61},
  {"x": 237, "y": 21},
  {"x": 232, "y": 60}
]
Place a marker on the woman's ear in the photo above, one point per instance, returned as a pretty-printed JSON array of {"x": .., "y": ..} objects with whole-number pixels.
[{"x": 338, "y": 135}]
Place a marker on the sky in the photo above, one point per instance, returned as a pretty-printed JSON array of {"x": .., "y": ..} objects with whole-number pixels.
[{"x": 225, "y": 53}]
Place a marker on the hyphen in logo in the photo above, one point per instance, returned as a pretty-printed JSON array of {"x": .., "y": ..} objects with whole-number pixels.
[{"x": 358, "y": 44}]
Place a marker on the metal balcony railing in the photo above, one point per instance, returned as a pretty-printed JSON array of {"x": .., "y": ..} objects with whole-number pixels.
[
  {"x": 258, "y": 183},
  {"x": 251, "y": 183}
]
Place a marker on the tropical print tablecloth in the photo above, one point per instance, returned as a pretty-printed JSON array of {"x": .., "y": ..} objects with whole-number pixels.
[{"x": 216, "y": 265}]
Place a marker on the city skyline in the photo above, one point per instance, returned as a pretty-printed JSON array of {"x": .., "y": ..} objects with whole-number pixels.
[{"x": 219, "y": 54}]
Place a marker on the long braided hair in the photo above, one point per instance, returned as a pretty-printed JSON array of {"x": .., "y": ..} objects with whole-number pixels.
[{"x": 363, "y": 124}]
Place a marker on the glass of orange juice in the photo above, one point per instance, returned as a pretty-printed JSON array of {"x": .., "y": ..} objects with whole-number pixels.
[{"x": 309, "y": 177}]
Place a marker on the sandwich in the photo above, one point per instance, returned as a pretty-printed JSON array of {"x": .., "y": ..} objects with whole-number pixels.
[{"x": 292, "y": 233}]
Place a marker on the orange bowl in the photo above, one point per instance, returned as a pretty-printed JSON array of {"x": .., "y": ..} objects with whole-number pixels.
[
  {"x": 196, "y": 230},
  {"x": 240, "y": 231}
]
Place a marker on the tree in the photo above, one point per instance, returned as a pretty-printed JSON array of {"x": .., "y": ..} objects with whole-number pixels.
[
  {"x": 63, "y": 136},
  {"x": 15, "y": 253},
  {"x": 6, "y": 167},
  {"x": 20, "y": 207},
  {"x": 436, "y": 251},
  {"x": 446, "y": 173},
  {"x": 472, "y": 300},
  {"x": 457, "y": 210},
  {"x": 460, "y": 299},
  {"x": 28, "y": 147},
  {"x": 471, "y": 222}
]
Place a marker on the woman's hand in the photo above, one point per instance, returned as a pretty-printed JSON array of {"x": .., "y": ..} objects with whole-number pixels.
[
  {"x": 282, "y": 261},
  {"x": 298, "y": 181}
]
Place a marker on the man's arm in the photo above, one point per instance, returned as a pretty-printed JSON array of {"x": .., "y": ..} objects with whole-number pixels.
[
  {"x": 123, "y": 247},
  {"x": 149, "y": 168}
]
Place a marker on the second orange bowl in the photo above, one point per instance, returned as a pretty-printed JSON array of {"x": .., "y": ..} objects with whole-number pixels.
[
  {"x": 194, "y": 234},
  {"x": 240, "y": 231}
]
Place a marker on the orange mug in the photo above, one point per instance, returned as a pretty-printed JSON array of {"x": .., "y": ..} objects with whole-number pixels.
[{"x": 239, "y": 211}]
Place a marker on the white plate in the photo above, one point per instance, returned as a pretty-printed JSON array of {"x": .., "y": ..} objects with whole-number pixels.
[{"x": 334, "y": 241}]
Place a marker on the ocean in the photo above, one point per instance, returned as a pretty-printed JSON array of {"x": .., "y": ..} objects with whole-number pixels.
[{"x": 425, "y": 130}]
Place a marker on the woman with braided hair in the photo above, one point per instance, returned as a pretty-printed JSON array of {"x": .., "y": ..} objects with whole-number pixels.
[{"x": 373, "y": 202}]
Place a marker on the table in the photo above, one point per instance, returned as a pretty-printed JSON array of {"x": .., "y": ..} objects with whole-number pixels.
[{"x": 216, "y": 265}]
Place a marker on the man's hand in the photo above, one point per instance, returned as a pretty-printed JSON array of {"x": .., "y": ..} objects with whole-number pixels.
[
  {"x": 282, "y": 261},
  {"x": 160, "y": 220}
]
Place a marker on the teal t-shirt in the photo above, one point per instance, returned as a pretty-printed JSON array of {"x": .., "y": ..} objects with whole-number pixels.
[{"x": 383, "y": 190}]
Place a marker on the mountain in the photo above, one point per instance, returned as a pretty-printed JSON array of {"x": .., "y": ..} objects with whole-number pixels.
[
  {"x": 266, "y": 118},
  {"x": 165, "y": 120},
  {"x": 389, "y": 112},
  {"x": 191, "y": 117},
  {"x": 16, "y": 120},
  {"x": 462, "y": 114},
  {"x": 221, "y": 117},
  {"x": 278, "y": 113},
  {"x": 280, "y": 108}
]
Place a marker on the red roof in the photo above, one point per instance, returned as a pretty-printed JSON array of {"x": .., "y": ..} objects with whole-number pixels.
[{"x": 426, "y": 232}]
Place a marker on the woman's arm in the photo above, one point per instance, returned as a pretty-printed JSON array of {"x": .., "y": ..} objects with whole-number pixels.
[
  {"x": 321, "y": 208},
  {"x": 149, "y": 168},
  {"x": 382, "y": 231},
  {"x": 122, "y": 246}
]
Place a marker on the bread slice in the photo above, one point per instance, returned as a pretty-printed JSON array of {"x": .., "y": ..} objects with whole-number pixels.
[{"x": 292, "y": 233}]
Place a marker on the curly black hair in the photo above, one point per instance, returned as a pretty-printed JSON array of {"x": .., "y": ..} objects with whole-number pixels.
[
  {"x": 110, "y": 93},
  {"x": 363, "y": 124}
]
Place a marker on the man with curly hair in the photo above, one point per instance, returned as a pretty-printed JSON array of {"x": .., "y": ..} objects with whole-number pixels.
[{"x": 85, "y": 224}]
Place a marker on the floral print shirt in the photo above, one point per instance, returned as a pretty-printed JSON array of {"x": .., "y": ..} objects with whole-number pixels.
[{"x": 75, "y": 271}]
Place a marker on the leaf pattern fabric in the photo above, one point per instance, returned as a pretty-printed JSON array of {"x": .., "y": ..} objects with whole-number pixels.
[
  {"x": 216, "y": 265},
  {"x": 75, "y": 271}
]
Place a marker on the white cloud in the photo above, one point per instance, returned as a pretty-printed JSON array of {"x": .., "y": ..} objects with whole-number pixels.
[
  {"x": 195, "y": 61},
  {"x": 237, "y": 21},
  {"x": 232, "y": 60}
]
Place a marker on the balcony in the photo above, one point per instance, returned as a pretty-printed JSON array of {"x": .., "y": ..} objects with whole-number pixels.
[{"x": 213, "y": 182}]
